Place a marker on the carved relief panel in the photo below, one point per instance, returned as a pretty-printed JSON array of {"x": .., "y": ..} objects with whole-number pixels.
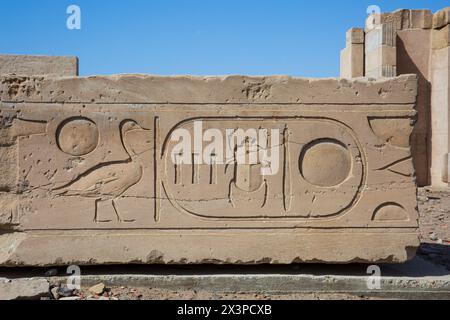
[{"x": 263, "y": 166}]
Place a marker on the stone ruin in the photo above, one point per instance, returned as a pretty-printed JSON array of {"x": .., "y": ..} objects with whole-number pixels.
[
  {"x": 405, "y": 42},
  {"x": 88, "y": 173}
]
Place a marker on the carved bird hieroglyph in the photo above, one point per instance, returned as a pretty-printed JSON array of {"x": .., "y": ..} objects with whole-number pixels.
[{"x": 109, "y": 181}]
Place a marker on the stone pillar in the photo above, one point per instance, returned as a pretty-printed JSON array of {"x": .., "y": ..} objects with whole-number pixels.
[
  {"x": 352, "y": 57},
  {"x": 440, "y": 99},
  {"x": 25, "y": 65},
  {"x": 381, "y": 51},
  {"x": 400, "y": 43},
  {"x": 413, "y": 57}
]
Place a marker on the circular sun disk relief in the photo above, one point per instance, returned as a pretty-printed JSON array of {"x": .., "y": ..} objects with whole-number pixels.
[
  {"x": 325, "y": 163},
  {"x": 77, "y": 136}
]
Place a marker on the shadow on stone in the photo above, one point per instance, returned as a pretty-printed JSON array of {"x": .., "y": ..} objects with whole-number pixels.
[{"x": 436, "y": 253}]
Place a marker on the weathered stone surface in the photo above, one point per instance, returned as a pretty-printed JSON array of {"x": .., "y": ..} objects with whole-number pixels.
[
  {"x": 404, "y": 19},
  {"x": 440, "y": 100},
  {"x": 95, "y": 182},
  {"x": 380, "y": 52},
  {"x": 441, "y": 38},
  {"x": 355, "y": 36},
  {"x": 383, "y": 35},
  {"x": 421, "y": 19},
  {"x": 383, "y": 56},
  {"x": 23, "y": 289},
  {"x": 98, "y": 289},
  {"x": 441, "y": 18},
  {"x": 352, "y": 61},
  {"x": 38, "y": 65},
  {"x": 352, "y": 57},
  {"x": 398, "y": 20},
  {"x": 415, "y": 42},
  {"x": 135, "y": 89},
  {"x": 413, "y": 57}
]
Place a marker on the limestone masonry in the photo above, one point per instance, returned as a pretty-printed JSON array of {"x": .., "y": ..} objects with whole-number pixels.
[{"x": 88, "y": 177}]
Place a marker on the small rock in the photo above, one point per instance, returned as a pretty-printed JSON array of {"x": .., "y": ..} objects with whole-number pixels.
[
  {"x": 422, "y": 198},
  {"x": 98, "y": 289},
  {"x": 54, "y": 292},
  {"x": 433, "y": 236},
  {"x": 51, "y": 273}
]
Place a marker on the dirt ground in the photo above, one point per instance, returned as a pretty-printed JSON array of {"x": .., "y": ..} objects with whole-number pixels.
[
  {"x": 125, "y": 293},
  {"x": 434, "y": 209}
]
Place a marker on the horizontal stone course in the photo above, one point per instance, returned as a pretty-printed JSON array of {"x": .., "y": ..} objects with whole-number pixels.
[
  {"x": 26, "y": 65},
  {"x": 202, "y": 90}
]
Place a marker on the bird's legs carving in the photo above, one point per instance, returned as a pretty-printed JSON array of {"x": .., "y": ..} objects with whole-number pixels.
[
  {"x": 96, "y": 220},
  {"x": 119, "y": 218},
  {"x": 116, "y": 211}
]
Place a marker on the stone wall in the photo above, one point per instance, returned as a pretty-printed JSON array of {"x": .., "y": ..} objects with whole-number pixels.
[
  {"x": 26, "y": 65},
  {"x": 413, "y": 41},
  {"x": 89, "y": 176}
]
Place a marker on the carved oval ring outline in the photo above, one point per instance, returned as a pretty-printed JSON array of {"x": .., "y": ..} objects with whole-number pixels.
[
  {"x": 325, "y": 163},
  {"x": 343, "y": 211},
  {"x": 77, "y": 136}
]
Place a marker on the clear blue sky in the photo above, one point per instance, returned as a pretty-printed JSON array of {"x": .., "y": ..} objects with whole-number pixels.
[{"x": 199, "y": 37}]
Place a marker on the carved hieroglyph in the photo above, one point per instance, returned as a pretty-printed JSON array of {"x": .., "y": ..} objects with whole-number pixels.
[{"x": 88, "y": 175}]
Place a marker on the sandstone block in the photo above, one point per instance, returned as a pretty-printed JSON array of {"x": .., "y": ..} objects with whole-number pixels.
[
  {"x": 441, "y": 18},
  {"x": 25, "y": 65},
  {"x": 414, "y": 56},
  {"x": 382, "y": 72},
  {"x": 135, "y": 169},
  {"x": 441, "y": 38},
  {"x": 352, "y": 57},
  {"x": 352, "y": 61},
  {"x": 421, "y": 19},
  {"x": 440, "y": 100},
  {"x": 383, "y": 35},
  {"x": 355, "y": 36},
  {"x": 383, "y": 56},
  {"x": 398, "y": 20}
]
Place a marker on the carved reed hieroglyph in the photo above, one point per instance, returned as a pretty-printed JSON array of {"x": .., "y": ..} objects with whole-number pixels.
[{"x": 90, "y": 172}]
